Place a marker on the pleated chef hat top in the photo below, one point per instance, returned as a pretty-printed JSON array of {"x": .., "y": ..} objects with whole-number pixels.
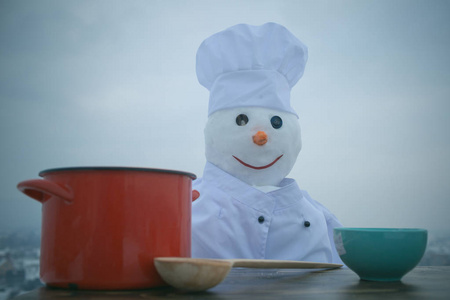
[{"x": 247, "y": 65}]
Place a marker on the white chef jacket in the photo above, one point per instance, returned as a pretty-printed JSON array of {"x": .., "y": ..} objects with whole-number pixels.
[{"x": 232, "y": 219}]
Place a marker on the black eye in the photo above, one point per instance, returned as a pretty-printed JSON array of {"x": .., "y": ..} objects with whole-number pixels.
[
  {"x": 276, "y": 122},
  {"x": 241, "y": 120}
]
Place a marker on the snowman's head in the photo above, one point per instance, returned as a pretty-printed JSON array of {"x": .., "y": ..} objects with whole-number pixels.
[{"x": 254, "y": 144}]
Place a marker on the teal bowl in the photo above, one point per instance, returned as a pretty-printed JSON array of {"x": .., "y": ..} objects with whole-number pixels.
[{"x": 380, "y": 254}]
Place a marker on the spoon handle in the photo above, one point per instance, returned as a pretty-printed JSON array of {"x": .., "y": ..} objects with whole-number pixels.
[{"x": 281, "y": 264}]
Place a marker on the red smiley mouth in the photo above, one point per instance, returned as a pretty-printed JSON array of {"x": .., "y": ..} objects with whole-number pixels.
[{"x": 258, "y": 168}]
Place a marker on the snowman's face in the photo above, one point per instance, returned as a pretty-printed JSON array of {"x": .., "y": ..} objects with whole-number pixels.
[{"x": 257, "y": 145}]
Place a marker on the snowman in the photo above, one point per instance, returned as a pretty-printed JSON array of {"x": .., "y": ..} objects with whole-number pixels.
[{"x": 244, "y": 206}]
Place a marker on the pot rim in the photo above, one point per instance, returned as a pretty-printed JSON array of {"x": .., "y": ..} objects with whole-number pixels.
[{"x": 70, "y": 169}]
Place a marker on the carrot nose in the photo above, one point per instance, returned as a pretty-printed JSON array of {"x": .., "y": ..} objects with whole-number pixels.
[{"x": 260, "y": 138}]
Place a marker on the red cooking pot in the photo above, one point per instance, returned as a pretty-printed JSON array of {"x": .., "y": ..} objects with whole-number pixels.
[{"x": 102, "y": 226}]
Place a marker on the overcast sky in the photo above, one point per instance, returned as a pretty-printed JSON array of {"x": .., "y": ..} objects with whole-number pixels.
[{"x": 113, "y": 83}]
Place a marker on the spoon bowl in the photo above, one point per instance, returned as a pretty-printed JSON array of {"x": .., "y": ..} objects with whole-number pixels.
[{"x": 199, "y": 274}]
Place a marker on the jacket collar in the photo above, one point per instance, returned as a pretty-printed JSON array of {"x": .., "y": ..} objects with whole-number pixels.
[{"x": 288, "y": 193}]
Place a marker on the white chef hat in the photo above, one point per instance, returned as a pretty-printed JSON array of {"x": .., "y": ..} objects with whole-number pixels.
[{"x": 247, "y": 65}]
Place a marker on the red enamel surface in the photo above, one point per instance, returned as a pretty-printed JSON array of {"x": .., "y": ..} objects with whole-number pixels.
[{"x": 117, "y": 221}]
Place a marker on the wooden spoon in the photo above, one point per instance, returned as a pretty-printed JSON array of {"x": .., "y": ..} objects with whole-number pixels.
[{"x": 199, "y": 274}]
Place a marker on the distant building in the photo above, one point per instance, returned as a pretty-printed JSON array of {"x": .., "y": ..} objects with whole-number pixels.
[
  {"x": 6, "y": 264},
  {"x": 9, "y": 273}
]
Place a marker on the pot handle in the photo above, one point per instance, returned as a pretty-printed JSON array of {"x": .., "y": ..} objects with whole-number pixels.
[{"x": 41, "y": 189}]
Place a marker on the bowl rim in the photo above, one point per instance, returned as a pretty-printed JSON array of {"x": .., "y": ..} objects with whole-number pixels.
[{"x": 380, "y": 229}]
